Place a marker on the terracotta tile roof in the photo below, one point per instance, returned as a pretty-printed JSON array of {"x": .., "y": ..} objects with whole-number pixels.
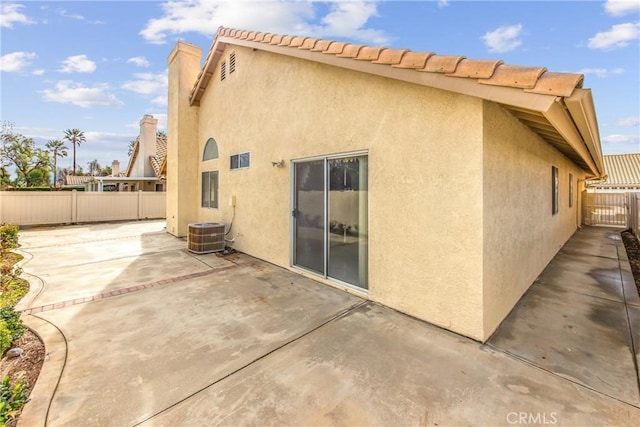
[
  {"x": 553, "y": 105},
  {"x": 489, "y": 72},
  {"x": 622, "y": 170},
  {"x": 160, "y": 159},
  {"x": 76, "y": 180}
]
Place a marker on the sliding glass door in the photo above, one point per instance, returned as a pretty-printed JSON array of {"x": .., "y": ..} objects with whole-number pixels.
[{"x": 330, "y": 217}]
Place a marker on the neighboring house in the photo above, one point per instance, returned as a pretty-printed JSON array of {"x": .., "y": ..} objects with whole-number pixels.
[
  {"x": 76, "y": 180},
  {"x": 436, "y": 185},
  {"x": 622, "y": 174},
  {"x": 147, "y": 166}
]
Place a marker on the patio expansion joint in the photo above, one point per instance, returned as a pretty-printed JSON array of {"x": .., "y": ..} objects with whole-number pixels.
[
  {"x": 333, "y": 318},
  {"x": 123, "y": 291},
  {"x": 579, "y": 384},
  {"x": 84, "y": 242}
]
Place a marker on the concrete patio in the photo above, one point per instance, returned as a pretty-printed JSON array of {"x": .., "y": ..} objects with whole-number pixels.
[{"x": 140, "y": 332}]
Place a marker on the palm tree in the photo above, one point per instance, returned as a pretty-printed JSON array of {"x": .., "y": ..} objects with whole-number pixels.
[
  {"x": 94, "y": 167},
  {"x": 132, "y": 144},
  {"x": 76, "y": 137},
  {"x": 57, "y": 149}
]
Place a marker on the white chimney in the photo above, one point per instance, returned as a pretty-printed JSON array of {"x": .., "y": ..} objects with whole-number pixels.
[
  {"x": 147, "y": 148},
  {"x": 115, "y": 168}
]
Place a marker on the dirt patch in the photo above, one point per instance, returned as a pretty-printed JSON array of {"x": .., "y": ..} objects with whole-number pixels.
[
  {"x": 26, "y": 367},
  {"x": 632, "y": 245}
]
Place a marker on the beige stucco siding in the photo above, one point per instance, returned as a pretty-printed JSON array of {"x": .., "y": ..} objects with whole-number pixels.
[
  {"x": 425, "y": 174},
  {"x": 521, "y": 235}
]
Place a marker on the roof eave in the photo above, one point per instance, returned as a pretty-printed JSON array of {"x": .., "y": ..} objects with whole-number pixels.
[
  {"x": 582, "y": 109},
  {"x": 572, "y": 116}
]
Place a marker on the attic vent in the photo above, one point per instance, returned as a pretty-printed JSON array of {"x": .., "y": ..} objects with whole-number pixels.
[
  {"x": 232, "y": 62},
  {"x": 223, "y": 70}
]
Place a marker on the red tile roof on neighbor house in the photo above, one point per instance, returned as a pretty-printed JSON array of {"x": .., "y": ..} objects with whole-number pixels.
[{"x": 553, "y": 105}]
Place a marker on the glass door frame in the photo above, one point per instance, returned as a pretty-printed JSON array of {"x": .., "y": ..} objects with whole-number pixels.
[{"x": 292, "y": 207}]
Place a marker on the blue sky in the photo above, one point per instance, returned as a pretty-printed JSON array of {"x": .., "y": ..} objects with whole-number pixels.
[{"x": 101, "y": 65}]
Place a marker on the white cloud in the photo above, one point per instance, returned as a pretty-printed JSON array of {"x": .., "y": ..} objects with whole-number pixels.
[
  {"x": 150, "y": 84},
  {"x": 39, "y": 72},
  {"x": 618, "y": 36},
  {"x": 10, "y": 14},
  {"x": 162, "y": 120},
  {"x": 160, "y": 100},
  {"x": 16, "y": 61},
  {"x": 621, "y": 7},
  {"x": 345, "y": 19},
  {"x": 601, "y": 72},
  {"x": 503, "y": 39},
  {"x": 78, "y": 64},
  {"x": 621, "y": 139},
  {"x": 139, "y": 61},
  {"x": 443, "y": 3},
  {"x": 348, "y": 19},
  {"x": 629, "y": 121},
  {"x": 78, "y": 17},
  {"x": 69, "y": 92}
]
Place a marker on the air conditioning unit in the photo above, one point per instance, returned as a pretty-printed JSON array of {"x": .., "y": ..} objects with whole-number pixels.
[{"x": 205, "y": 237}]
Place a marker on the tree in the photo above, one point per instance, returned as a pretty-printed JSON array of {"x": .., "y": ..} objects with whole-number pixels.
[
  {"x": 161, "y": 134},
  {"x": 57, "y": 149},
  {"x": 76, "y": 137},
  {"x": 31, "y": 163},
  {"x": 106, "y": 171},
  {"x": 132, "y": 144},
  {"x": 94, "y": 167}
]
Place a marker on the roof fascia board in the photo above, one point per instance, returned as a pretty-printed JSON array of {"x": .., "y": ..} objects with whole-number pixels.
[
  {"x": 209, "y": 67},
  {"x": 502, "y": 95},
  {"x": 562, "y": 121},
  {"x": 581, "y": 107}
]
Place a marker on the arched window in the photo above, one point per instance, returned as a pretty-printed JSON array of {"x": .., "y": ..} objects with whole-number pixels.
[{"x": 210, "y": 150}]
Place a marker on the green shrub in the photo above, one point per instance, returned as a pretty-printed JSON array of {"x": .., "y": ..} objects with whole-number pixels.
[
  {"x": 12, "y": 320},
  {"x": 8, "y": 237},
  {"x": 12, "y": 289},
  {"x": 5, "y": 337},
  {"x": 12, "y": 399}
]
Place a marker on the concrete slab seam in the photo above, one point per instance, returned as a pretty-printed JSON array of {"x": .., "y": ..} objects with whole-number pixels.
[
  {"x": 257, "y": 359},
  {"x": 573, "y": 291},
  {"x": 135, "y": 236},
  {"x": 38, "y": 283},
  {"x": 124, "y": 291},
  {"x": 530, "y": 363}
]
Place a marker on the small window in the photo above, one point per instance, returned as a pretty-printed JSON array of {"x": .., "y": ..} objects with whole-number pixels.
[
  {"x": 210, "y": 150},
  {"x": 210, "y": 189},
  {"x": 240, "y": 161},
  {"x": 223, "y": 70},
  {"x": 570, "y": 190},
  {"x": 232, "y": 62},
  {"x": 554, "y": 189}
]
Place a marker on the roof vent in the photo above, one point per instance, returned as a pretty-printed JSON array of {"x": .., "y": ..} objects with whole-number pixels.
[
  {"x": 232, "y": 62},
  {"x": 223, "y": 70}
]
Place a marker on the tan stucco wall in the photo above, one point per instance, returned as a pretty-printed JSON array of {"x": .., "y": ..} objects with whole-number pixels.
[
  {"x": 425, "y": 174},
  {"x": 520, "y": 233},
  {"x": 182, "y": 139}
]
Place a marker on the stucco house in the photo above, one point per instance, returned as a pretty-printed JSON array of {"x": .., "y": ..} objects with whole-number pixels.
[
  {"x": 436, "y": 185},
  {"x": 622, "y": 174},
  {"x": 146, "y": 170}
]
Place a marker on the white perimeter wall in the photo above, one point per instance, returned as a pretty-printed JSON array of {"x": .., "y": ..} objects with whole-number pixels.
[{"x": 61, "y": 207}]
